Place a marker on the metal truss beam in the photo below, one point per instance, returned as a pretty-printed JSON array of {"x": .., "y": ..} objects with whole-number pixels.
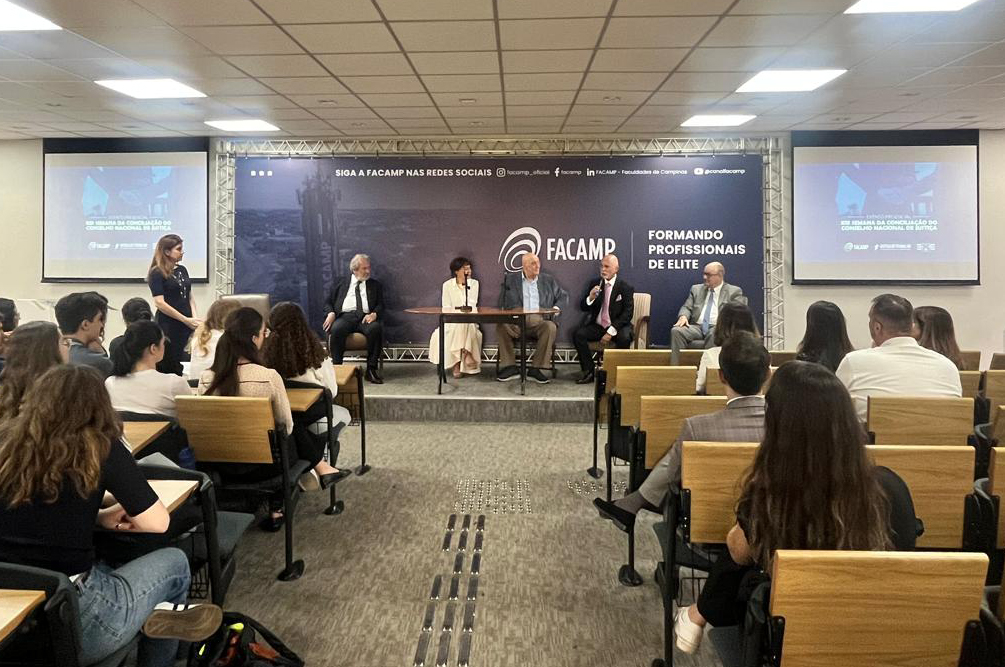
[{"x": 223, "y": 227}]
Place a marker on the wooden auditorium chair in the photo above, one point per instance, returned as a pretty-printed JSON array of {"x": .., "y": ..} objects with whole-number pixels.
[
  {"x": 920, "y": 420},
  {"x": 997, "y": 362},
  {"x": 971, "y": 360},
  {"x": 970, "y": 381},
  {"x": 640, "y": 327},
  {"x": 260, "y": 302},
  {"x": 779, "y": 357}
]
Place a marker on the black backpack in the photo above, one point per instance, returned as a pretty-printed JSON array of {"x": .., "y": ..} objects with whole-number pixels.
[{"x": 241, "y": 641}]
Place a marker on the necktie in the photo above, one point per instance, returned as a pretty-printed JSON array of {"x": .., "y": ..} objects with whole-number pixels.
[
  {"x": 359, "y": 299},
  {"x": 605, "y": 309},
  {"x": 706, "y": 317}
]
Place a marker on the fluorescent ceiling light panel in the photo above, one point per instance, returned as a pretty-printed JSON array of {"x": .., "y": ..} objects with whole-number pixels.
[
  {"x": 13, "y": 18},
  {"x": 150, "y": 89},
  {"x": 716, "y": 120},
  {"x": 247, "y": 125},
  {"x": 904, "y": 6},
  {"x": 789, "y": 80}
]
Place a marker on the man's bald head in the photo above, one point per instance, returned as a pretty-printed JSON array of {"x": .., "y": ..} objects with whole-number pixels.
[
  {"x": 714, "y": 274},
  {"x": 609, "y": 267},
  {"x": 531, "y": 266}
]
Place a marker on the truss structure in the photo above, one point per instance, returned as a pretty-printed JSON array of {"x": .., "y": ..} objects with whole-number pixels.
[{"x": 769, "y": 147}]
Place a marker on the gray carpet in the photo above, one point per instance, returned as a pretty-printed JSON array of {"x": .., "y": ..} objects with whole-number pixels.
[
  {"x": 547, "y": 593},
  {"x": 419, "y": 379}
]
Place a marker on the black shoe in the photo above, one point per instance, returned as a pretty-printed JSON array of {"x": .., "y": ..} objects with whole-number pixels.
[
  {"x": 508, "y": 373},
  {"x": 372, "y": 376},
  {"x": 271, "y": 524},
  {"x": 623, "y": 519},
  {"x": 585, "y": 378},
  {"x": 332, "y": 477},
  {"x": 536, "y": 375}
]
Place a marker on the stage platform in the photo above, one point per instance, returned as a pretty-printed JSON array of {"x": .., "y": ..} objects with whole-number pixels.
[{"x": 409, "y": 394}]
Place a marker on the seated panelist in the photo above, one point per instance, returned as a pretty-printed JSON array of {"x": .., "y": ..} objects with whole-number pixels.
[
  {"x": 462, "y": 344},
  {"x": 609, "y": 305},
  {"x": 356, "y": 305},
  {"x": 697, "y": 317}
]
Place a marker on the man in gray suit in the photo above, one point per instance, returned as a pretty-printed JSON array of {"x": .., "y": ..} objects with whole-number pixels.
[
  {"x": 532, "y": 290},
  {"x": 744, "y": 367},
  {"x": 697, "y": 317}
]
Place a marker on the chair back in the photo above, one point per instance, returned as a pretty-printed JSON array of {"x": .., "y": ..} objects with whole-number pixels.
[
  {"x": 971, "y": 383},
  {"x": 996, "y": 479},
  {"x": 662, "y": 417},
  {"x": 712, "y": 473},
  {"x": 634, "y": 382},
  {"x": 997, "y": 362},
  {"x": 918, "y": 420},
  {"x": 260, "y": 302},
  {"x": 228, "y": 429},
  {"x": 875, "y": 608},
  {"x": 994, "y": 389},
  {"x": 61, "y": 612},
  {"x": 690, "y": 358},
  {"x": 940, "y": 479},
  {"x": 971, "y": 359},
  {"x": 614, "y": 358},
  {"x": 779, "y": 357},
  {"x": 640, "y": 319}
]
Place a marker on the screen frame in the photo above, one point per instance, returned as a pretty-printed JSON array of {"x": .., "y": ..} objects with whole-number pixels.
[
  {"x": 155, "y": 145},
  {"x": 863, "y": 139}
]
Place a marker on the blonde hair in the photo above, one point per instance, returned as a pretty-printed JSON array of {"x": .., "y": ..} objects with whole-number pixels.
[
  {"x": 216, "y": 317},
  {"x": 160, "y": 260}
]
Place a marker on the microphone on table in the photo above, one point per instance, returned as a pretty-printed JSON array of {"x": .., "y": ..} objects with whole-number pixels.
[{"x": 465, "y": 308}]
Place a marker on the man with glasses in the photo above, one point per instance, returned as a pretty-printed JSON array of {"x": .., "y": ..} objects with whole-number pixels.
[{"x": 697, "y": 317}]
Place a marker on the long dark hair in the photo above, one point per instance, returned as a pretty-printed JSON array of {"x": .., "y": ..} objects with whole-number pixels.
[
  {"x": 235, "y": 344},
  {"x": 938, "y": 333},
  {"x": 826, "y": 339},
  {"x": 292, "y": 347},
  {"x": 733, "y": 317},
  {"x": 138, "y": 337},
  {"x": 811, "y": 485},
  {"x": 30, "y": 351}
]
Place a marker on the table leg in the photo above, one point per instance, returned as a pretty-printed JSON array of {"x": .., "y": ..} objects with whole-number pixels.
[
  {"x": 523, "y": 355},
  {"x": 442, "y": 366}
]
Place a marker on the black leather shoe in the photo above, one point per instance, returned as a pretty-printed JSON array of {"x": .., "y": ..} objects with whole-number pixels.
[
  {"x": 271, "y": 524},
  {"x": 372, "y": 376},
  {"x": 332, "y": 477},
  {"x": 585, "y": 378},
  {"x": 623, "y": 519}
]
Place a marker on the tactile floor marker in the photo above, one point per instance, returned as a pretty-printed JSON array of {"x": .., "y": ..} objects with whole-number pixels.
[{"x": 498, "y": 496}]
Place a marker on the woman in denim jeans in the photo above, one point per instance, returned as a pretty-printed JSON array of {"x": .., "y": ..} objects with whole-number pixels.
[{"x": 58, "y": 458}]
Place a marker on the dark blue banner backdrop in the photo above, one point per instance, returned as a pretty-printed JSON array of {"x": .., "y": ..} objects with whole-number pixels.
[{"x": 299, "y": 221}]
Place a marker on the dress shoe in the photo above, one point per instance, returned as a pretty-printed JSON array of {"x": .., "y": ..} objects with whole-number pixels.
[
  {"x": 271, "y": 524},
  {"x": 372, "y": 376},
  {"x": 537, "y": 376},
  {"x": 332, "y": 477},
  {"x": 186, "y": 622},
  {"x": 623, "y": 519},
  {"x": 585, "y": 378}
]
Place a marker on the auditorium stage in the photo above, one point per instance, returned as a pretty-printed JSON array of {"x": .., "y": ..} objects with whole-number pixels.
[{"x": 409, "y": 394}]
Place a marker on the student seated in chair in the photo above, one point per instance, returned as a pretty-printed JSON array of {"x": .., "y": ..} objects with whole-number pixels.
[
  {"x": 811, "y": 486},
  {"x": 67, "y": 426},
  {"x": 135, "y": 384},
  {"x": 32, "y": 349},
  {"x": 81, "y": 317},
  {"x": 745, "y": 366}
]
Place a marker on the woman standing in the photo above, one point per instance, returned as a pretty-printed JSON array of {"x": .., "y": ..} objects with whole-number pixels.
[
  {"x": 462, "y": 345},
  {"x": 172, "y": 292}
]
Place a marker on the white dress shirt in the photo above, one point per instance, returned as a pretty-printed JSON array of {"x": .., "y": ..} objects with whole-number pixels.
[
  {"x": 714, "y": 315},
  {"x": 349, "y": 304},
  {"x": 709, "y": 361},
  {"x": 898, "y": 367},
  {"x": 148, "y": 392},
  {"x": 589, "y": 302}
]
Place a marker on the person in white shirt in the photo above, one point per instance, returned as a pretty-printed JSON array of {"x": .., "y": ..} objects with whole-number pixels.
[
  {"x": 733, "y": 318},
  {"x": 202, "y": 345},
  {"x": 895, "y": 365},
  {"x": 462, "y": 341},
  {"x": 135, "y": 384}
]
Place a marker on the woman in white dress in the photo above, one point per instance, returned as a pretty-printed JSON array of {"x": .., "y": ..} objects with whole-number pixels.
[{"x": 463, "y": 344}]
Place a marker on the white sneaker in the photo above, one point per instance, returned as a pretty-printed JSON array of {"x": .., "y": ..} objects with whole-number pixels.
[{"x": 688, "y": 632}]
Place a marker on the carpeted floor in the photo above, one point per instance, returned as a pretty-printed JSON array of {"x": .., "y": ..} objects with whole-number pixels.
[
  {"x": 419, "y": 379},
  {"x": 547, "y": 588}
]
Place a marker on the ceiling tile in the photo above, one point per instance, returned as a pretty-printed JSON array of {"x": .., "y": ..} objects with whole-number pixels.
[
  {"x": 932, "y": 126},
  {"x": 602, "y": 110},
  {"x": 75, "y": 126},
  {"x": 743, "y": 59},
  {"x": 844, "y": 118},
  {"x": 306, "y": 126},
  {"x": 552, "y": 33},
  {"x": 611, "y": 97},
  {"x": 184, "y": 126},
  {"x": 845, "y": 56},
  {"x": 48, "y": 45},
  {"x": 466, "y": 62},
  {"x": 545, "y": 61},
  {"x": 92, "y": 115},
  {"x": 107, "y": 13},
  {"x": 763, "y": 30},
  {"x": 637, "y": 60},
  {"x": 326, "y": 99},
  {"x": 446, "y": 35},
  {"x": 408, "y": 112},
  {"x": 472, "y": 112},
  {"x": 705, "y": 81},
  {"x": 363, "y": 64},
  {"x": 77, "y": 89},
  {"x": 477, "y": 125},
  {"x": 790, "y": 7},
  {"x": 535, "y": 9},
  {"x": 525, "y": 113},
  {"x": 902, "y": 117},
  {"x": 348, "y": 112},
  {"x": 995, "y": 91},
  {"x": 291, "y": 114},
  {"x": 397, "y": 99},
  {"x": 651, "y": 111},
  {"x": 881, "y": 29},
  {"x": 370, "y": 126},
  {"x": 978, "y": 23},
  {"x": 458, "y": 83},
  {"x": 957, "y": 76},
  {"x": 671, "y": 7},
  {"x": 183, "y": 68},
  {"x": 546, "y": 81},
  {"x": 540, "y": 97},
  {"x": 912, "y": 54},
  {"x": 876, "y": 126},
  {"x": 344, "y": 37},
  {"x": 692, "y": 98},
  {"x": 383, "y": 84},
  {"x": 279, "y": 66},
  {"x": 656, "y": 32},
  {"x": 33, "y": 70},
  {"x": 431, "y": 10},
  {"x": 481, "y": 99},
  {"x": 304, "y": 85},
  {"x": 104, "y": 68},
  {"x": 647, "y": 81},
  {"x": 412, "y": 123},
  {"x": 319, "y": 11},
  {"x": 145, "y": 42},
  {"x": 257, "y": 102},
  {"x": 244, "y": 40},
  {"x": 200, "y": 12}
]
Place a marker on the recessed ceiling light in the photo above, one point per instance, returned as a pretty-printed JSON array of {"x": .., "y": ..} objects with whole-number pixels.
[
  {"x": 358, "y": 124},
  {"x": 328, "y": 103},
  {"x": 14, "y": 18},
  {"x": 466, "y": 100},
  {"x": 476, "y": 122},
  {"x": 717, "y": 120},
  {"x": 789, "y": 80},
  {"x": 612, "y": 98},
  {"x": 150, "y": 89},
  {"x": 596, "y": 121},
  {"x": 903, "y": 6},
  {"x": 243, "y": 125},
  {"x": 53, "y": 104}
]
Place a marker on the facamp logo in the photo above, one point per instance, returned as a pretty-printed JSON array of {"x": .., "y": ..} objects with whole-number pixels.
[
  {"x": 518, "y": 244},
  {"x": 528, "y": 240}
]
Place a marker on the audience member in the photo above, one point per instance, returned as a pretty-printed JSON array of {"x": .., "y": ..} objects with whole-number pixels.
[
  {"x": 31, "y": 350},
  {"x": 609, "y": 304},
  {"x": 811, "y": 486},
  {"x": 825, "y": 341},
  {"x": 745, "y": 368},
  {"x": 9, "y": 315},
  {"x": 733, "y": 318},
  {"x": 237, "y": 371},
  {"x": 171, "y": 289},
  {"x": 896, "y": 365},
  {"x": 356, "y": 305},
  {"x": 135, "y": 384},
  {"x": 933, "y": 329},
  {"x": 529, "y": 289},
  {"x": 207, "y": 335},
  {"x": 697, "y": 318},
  {"x": 133, "y": 310},
  {"x": 57, "y": 460},
  {"x": 462, "y": 343},
  {"x": 81, "y": 317}
]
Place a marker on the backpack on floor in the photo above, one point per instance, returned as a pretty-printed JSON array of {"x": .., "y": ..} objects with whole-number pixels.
[{"x": 241, "y": 641}]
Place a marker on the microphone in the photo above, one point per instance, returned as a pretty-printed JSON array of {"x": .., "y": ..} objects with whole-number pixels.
[{"x": 465, "y": 308}]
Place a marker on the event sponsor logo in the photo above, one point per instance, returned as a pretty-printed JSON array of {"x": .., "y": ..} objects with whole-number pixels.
[
  {"x": 528, "y": 240},
  {"x": 518, "y": 244}
]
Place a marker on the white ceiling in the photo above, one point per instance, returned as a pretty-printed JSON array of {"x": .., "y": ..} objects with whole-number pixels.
[{"x": 494, "y": 67}]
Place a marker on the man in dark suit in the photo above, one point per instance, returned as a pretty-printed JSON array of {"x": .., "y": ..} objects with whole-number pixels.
[
  {"x": 697, "y": 317},
  {"x": 356, "y": 305},
  {"x": 610, "y": 306}
]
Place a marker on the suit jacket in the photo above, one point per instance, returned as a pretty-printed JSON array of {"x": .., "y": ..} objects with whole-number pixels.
[
  {"x": 374, "y": 296},
  {"x": 696, "y": 300},
  {"x": 549, "y": 293},
  {"x": 741, "y": 421},
  {"x": 621, "y": 307}
]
